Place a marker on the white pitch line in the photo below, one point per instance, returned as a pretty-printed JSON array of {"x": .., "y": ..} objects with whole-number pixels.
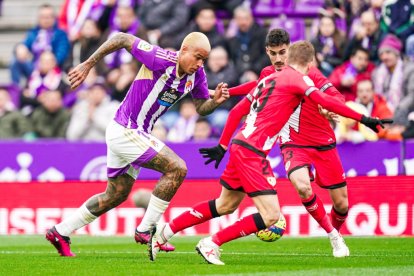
[{"x": 10, "y": 252}]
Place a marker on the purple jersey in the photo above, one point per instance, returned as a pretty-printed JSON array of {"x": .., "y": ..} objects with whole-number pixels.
[{"x": 157, "y": 87}]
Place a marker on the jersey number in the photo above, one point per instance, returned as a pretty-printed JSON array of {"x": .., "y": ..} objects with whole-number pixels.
[{"x": 256, "y": 107}]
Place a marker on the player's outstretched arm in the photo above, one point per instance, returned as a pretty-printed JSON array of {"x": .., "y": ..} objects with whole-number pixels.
[
  {"x": 340, "y": 108},
  {"x": 373, "y": 123},
  {"x": 239, "y": 90},
  {"x": 81, "y": 71},
  {"x": 205, "y": 107},
  {"x": 242, "y": 89}
]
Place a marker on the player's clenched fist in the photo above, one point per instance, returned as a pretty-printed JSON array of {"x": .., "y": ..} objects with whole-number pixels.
[{"x": 221, "y": 93}]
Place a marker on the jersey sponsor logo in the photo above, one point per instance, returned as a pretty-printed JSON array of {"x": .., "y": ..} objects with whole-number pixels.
[
  {"x": 144, "y": 46},
  {"x": 308, "y": 81},
  {"x": 271, "y": 180},
  {"x": 168, "y": 97}
]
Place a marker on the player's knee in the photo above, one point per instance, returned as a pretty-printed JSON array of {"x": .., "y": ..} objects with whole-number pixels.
[
  {"x": 342, "y": 206},
  {"x": 179, "y": 169},
  {"x": 302, "y": 185},
  {"x": 225, "y": 208},
  {"x": 341, "y": 203},
  {"x": 118, "y": 197},
  {"x": 270, "y": 217},
  {"x": 304, "y": 190},
  {"x": 182, "y": 169}
]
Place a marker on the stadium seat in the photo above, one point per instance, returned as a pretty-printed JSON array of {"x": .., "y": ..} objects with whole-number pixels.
[
  {"x": 307, "y": 8},
  {"x": 190, "y": 2},
  {"x": 272, "y": 8},
  {"x": 232, "y": 27},
  {"x": 294, "y": 26}
]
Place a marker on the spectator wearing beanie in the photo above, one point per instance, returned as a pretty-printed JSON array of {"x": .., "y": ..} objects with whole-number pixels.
[{"x": 394, "y": 79}]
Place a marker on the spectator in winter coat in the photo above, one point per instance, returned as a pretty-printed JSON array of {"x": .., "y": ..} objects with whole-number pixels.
[
  {"x": 46, "y": 36},
  {"x": 346, "y": 76},
  {"x": 377, "y": 107}
]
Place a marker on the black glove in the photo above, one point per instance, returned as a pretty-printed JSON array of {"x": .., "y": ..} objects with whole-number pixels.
[
  {"x": 372, "y": 123},
  {"x": 213, "y": 154}
]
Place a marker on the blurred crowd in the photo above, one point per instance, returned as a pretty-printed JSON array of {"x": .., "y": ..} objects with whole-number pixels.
[{"x": 365, "y": 48}]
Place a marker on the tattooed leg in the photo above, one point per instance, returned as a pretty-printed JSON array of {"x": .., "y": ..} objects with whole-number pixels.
[
  {"x": 116, "y": 192},
  {"x": 173, "y": 170}
]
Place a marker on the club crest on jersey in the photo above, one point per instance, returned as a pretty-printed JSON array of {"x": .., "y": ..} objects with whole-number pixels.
[
  {"x": 164, "y": 77},
  {"x": 271, "y": 180},
  {"x": 154, "y": 143},
  {"x": 168, "y": 97},
  {"x": 188, "y": 86},
  {"x": 144, "y": 46}
]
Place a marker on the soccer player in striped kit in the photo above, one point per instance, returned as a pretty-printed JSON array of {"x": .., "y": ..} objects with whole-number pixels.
[{"x": 164, "y": 78}]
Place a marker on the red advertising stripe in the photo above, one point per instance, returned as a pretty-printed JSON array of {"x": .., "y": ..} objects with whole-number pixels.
[{"x": 378, "y": 206}]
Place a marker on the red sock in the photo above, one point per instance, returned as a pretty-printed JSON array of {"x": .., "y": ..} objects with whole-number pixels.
[
  {"x": 240, "y": 228},
  {"x": 337, "y": 218},
  {"x": 199, "y": 213},
  {"x": 315, "y": 207}
]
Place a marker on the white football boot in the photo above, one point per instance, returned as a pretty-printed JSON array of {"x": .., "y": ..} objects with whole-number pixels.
[
  {"x": 339, "y": 247},
  {"x": 209, "y": 251},
  {"x": 156, "y": 241}
]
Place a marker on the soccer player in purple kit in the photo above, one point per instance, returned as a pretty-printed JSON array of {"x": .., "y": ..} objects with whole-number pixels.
[{"x": 164, "y": 78}]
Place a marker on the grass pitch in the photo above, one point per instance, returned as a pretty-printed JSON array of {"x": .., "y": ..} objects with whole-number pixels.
[{"x": 33, "y": 255}]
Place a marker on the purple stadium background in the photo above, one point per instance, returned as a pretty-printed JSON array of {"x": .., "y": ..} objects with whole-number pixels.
[{"x": 59, "y": 160}]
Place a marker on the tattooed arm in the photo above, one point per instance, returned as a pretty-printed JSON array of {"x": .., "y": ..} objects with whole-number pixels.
[
  {"x": 205, "y": 107},
  {"x": 81, "y": 71}
]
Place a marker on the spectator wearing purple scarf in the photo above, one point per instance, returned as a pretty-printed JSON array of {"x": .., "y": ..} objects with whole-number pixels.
[
  {"x": 46, "y": 76},
  {"x": 46, "y": 36},
  {"x": 125, "y": 21},
  {"x": 328, "y": 44}
]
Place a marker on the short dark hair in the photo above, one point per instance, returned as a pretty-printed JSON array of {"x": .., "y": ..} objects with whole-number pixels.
[
  {"x": 203, "y": 120},
  {"x": 277, "y": 37},
  {"x": 357, "y": 49},
  {"x": 46, "y": 6}
]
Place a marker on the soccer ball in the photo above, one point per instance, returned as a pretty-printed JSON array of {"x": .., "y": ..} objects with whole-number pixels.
[{"x": 273, "y": 232}]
